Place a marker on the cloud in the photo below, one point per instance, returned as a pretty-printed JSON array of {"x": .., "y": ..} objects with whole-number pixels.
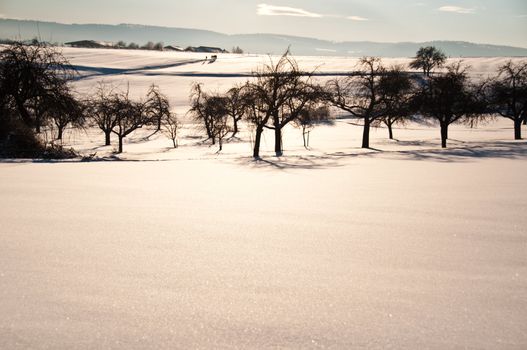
[
  {"x": 456, "y": 9},
  {"x": 357, "y": 18},
  {"x": 325, "y": 50},
  {"x": 270, "y": 10}
]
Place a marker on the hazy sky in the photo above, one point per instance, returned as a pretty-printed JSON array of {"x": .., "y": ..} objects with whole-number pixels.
[{"x": 482, "y": 21}]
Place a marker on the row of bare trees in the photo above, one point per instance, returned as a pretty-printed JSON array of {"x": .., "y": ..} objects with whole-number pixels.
[
  {"x": 133, "y": 46},
  {"x": 378, "y": 95},
  {"x": 113, "y": 111},
  {"x": 36, "y": 93},
  {"x": 280, "y": 93}
]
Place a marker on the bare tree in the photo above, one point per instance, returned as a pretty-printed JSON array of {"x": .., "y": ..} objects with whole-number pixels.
[
  {"x": 311, "y": 116},
  {"x": 450, "y": 98},
  {"x": 302, "y": 94},
  {"x": 273, "y": 86},
  {"x": 34, "y": 81},
  {"x": 171, "y": 127},
  {"x": 217, "y": 109},
  {"x": 131, "y": 115},
  {"x": 148, "y": 46},
  {"x": 236, "y": 100},
  {"x": 101, "y": 110},
  {"x": 277, "y": 96},
  {"x": 427, "y": 58},
  {"x": 216, "y": 113},
  {"x": 212, "y": 112},
  {"x": 258, "y": 111},
  {"x": 359, "y": 94},
  {"x": 68, "y": 112},
  {"x": 396, "y": 91},
  {"x": 507, "y": 94},
  {"x": 157, "y": 106},
  {"x": 30, "y": 75},
  {"x": 198, "y": 109}
]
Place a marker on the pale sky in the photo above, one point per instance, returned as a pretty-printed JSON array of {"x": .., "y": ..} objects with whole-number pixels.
[{"x": 481, "y": 21}]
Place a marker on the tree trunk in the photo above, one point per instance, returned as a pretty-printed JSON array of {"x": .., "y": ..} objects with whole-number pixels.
[
  {"x": 257, "y": 139},
  {"x": 366, "y": 134},
  {"x": 24, "y": 113},
  {"x": 208, "y": 127},
  {"x": 120, "y": 145},
  {"x": 524, "y": 118},
  {"x": 518, "y": 129},
  {"x": 174, "y": 142},
  {"x": 444, "y": 134},
  {"x": 220, "y": 142},
  {"x": 59, "y": 135},
  {"x": 37, "y": 126},
  {"x": 235, "y": 127},
  {"x": 278, "y": 140},
  {"x": 390, "y": 131},
  {"x": 107, "y": 135},
  {"x": 304, "y": 137}
]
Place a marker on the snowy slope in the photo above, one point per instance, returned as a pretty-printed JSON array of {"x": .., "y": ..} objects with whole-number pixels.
[{"x": 405, "y": 246}]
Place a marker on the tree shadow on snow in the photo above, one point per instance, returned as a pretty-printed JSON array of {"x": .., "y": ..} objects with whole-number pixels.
[
  {"x": 465, "y": 151},
  {"x": 290, "y": 162},
  {"x": 469, "y": 152},
  {"x": 458, "y": 152},
  {"x": 91, "y": 71}
]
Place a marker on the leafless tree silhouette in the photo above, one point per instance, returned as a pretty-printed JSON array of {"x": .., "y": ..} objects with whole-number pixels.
[
  {"x": 311, "y": 116},
  {"x": 359, "y": 94},
  {"x": 171, "y": 127},
  {"x": 427, "y": 58},
  {"x": 157, "y": 106},
  {"x": 507, "y": 94},
  {"x": 397, "y": 94},
  {"x": 450, "y": 98},
  {"x": 277, "y": 95}
]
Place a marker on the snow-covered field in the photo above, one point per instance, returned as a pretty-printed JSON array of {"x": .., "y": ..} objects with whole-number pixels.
[{"x": 403, "y": 246}]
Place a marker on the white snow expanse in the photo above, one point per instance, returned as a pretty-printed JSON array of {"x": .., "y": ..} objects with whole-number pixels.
[{"x": 406, "y": 246}]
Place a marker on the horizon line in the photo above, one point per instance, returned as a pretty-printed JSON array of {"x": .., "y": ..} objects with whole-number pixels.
[{"x": 265, "y": 33}]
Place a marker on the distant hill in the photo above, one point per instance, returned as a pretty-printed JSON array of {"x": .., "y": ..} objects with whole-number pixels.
[{"x": 251, "y": 43}]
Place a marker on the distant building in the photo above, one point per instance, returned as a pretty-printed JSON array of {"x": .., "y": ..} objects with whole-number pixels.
[
  {"x": 173, "y": 48},
  {"x": 206, "y": 49},
  {"x": 92, "y": 44}
]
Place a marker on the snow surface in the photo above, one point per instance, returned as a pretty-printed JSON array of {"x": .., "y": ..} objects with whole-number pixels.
[{"x": 403, "y": 246}]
